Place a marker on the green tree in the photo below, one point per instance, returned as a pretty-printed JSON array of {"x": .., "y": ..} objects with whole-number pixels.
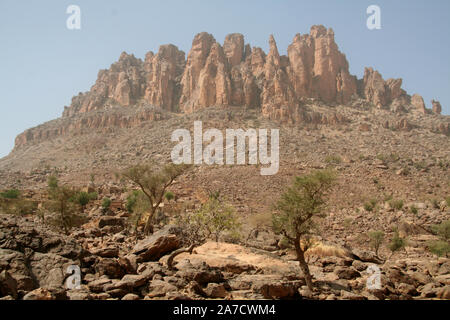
[
  {"x": 193, "y": 233},
  {"x": 82, "y": 198},
  {"x": 397, "y": 243},
  {"x": 131, "y": 200},
  {"x": 153, "y": 182},
  {"x": 213, "y": 219},
  {"x": 219, "y": 217},
  {"x": 376, "y": 239},
  {"x": 298, "y": 209},
  {"x": 63, "y": 202},
  {"x": 137, "y": 204},
  {"x": 106, "y": 203}
]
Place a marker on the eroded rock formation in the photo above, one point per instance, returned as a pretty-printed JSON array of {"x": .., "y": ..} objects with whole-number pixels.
[
  {"x": 418, "y": 103},
  {"x": 236, "y": 74},
  {"x": 437, "y": 108},
  {"x": 380, "y": 92},
  {"x": 232, "y": 74}
]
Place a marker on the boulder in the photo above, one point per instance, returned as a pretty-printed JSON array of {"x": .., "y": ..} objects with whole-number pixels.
[
  {"x": 8, "y": 285},
  {"x": 346, "y": 273},
  {"x": 107, "y": 252},
  {"x": 131, "y": 296},
  {"x": 216, "y": 290},
  {"x": 200, "y": 273},
  {"x": 155, "y": 246},
  {"x": 109, "y": 267},
  {"x": 159, "y": 288},
  {"x": 110, "y": 221},
  {"x": 39, "y": 294}
]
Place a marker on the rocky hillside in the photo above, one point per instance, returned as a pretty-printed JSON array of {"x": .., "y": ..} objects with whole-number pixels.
[
  {"x": 34, "y": 262},
  {"x": 391, "y": 154}
]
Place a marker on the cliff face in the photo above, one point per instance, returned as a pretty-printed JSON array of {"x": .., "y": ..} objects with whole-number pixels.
[
  {"x": 100, "y": 120},
  {"x": 234, "y": 74}
]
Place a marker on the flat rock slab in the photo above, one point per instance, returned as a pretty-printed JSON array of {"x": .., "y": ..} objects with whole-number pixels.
[
  {"x": 155, "y": 246},
  {"x": 236, "y": 259}
]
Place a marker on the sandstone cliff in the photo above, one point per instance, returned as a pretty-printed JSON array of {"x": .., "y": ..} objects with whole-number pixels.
[{"x": 235, "y": 74}]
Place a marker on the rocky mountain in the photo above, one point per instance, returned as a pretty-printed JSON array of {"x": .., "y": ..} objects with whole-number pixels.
[
  {"x": 390, "y": 152},
  {"x": 232, "y": 74}
]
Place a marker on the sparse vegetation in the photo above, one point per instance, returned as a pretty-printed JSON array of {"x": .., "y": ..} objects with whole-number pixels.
[
  {"x": 138, "y": 205},
  {"x": 444, "y": 164},
  {"x": 333, "y": 159},
  {"x": 93, "y": 196},
  {"x": 131, "y": 200},
  {"x": 405, "y": 171},
  {"x": 219, "y": 217},
  {"x": 213, "y": 219},
  {"x": 52, "y": 182},
  {"x": 348, "y": 222},
  {"x": 376, "y": 240},
  {"x": 169, "y": 195},
  {"x": 297, "y": 211},
  {"x": 17, "y": 206},
  {"x": 396, "y": 204},
  {"x": 10, "y": 194},
  {"x": 63, "y": 202},
  {"x": 421, "y": 165},
  {"x": 435, "y": 203},
  {"x": 440, "y": 248},
  {"x": 106, "y": 203},
  {"x": 442, "y": 230},
  {"x": 388, "y": 158},
  {"x": 397, "y": 243},
  {"x": 370, "y": 205},
  {"x": 82, "y": 198},
  {"x": 153, "y": 182}
]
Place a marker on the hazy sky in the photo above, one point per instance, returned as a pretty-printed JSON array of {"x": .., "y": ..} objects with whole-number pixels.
[{"x": 43, "y": 64}]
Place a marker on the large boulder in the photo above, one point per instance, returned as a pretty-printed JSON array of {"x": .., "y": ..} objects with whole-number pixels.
[
  {"x": 199, "y": 272},
  {"x": 15, "y": 263},
  {"x": 20, "y": 234},
  {"x": 109, "y": 267},
  {"x": 111, "y": 221},
  {"x": 157, "y": 245},
  {"x": 49, "y": 269},
  {"x": 35, "y": 256}
]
